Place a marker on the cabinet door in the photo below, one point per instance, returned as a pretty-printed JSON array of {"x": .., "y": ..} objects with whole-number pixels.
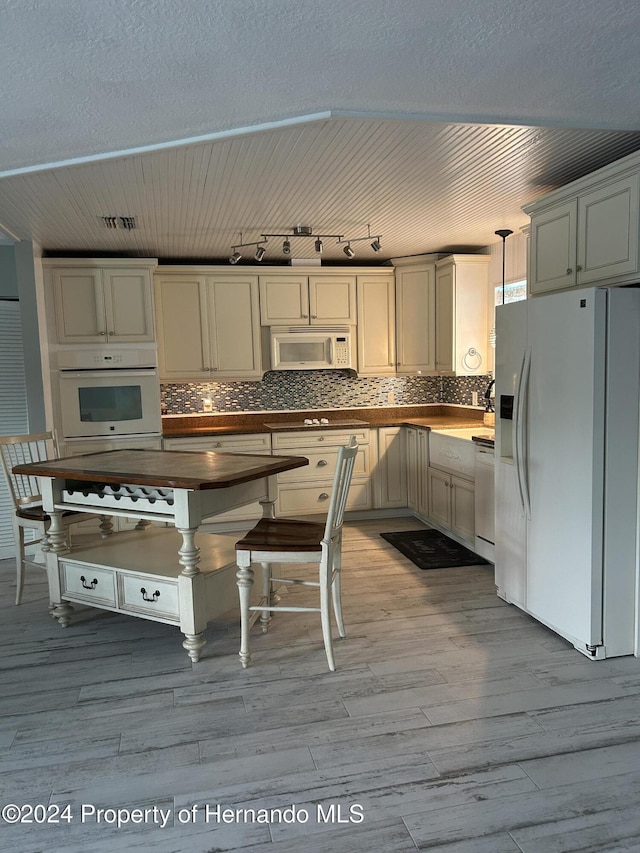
[
  {"x": 332, "y": 299},
  {"x": 608, "y": 231},
  {"x": 79, "y": 306},
  {"x": 183, "y": 336},
  {"x": 553, "y": 248},
  {"x": 423, "y": 473},
  {"x": 415, "y": 319},
  {"x": 445, "y": 318},
  {"x": 376, "y": 325},
  {"x": 128, "y": 305},
  {"x": 284, "y": 300},
  {"x": 412, "y": 468},
  {"x": 463, "y": 508},
  {"x": 234, "y": 318},
  {"x": 391, "y": 471},
  {"x": 439, "y": 485}
]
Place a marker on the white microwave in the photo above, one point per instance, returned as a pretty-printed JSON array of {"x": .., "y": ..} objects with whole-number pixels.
[
  {"x": 311, "y": 348},
  {"x": 110, "y": 402}
]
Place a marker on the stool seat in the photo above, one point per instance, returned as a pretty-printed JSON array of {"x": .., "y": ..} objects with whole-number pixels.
[{"x": 283, "y": 534}]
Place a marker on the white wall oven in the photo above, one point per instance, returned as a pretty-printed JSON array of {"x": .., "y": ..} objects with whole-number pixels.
[{"x": 109, "y": 402}]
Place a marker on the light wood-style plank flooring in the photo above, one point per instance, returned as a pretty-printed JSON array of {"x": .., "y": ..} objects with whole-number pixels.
[{"x": 454, "y": 724}]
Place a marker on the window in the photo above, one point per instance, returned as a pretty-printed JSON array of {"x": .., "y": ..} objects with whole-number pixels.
[{"x": 513, "y": 292}]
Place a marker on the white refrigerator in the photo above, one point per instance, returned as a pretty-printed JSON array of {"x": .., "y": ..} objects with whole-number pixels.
[{"x": 567, "y": 424}]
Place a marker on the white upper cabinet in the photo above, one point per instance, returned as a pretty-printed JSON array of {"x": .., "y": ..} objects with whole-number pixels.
[
  {"x": 376, "y": 325},
  {"x": 587, "y": 232},
  {"x": 290, "y": 300},
  {"x": 208, "y": 326},
  {"x": 102, "y": 304},
  {"x": 415, "y": 316},
  {"x": 462, "y": 337}
]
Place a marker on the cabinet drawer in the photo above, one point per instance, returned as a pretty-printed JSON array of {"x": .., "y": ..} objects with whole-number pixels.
[
  {"x": 322, "y": 464},
  {"x": 147, "y": 595},
  {"x": 297, "y": 499},
  {"x": 332, "y": 437},
  {"x": 452, "y": 454},
  {"x": 250, "y": 443},
  {"x": 86, "y": 583}
]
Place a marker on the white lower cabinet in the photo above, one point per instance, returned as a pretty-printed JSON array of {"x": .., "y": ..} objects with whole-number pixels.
[
  {"x": 417, "y": 465},
  {"x": 390, "y": 489},
  {"x": 233, "y": 443},
  {"x": 307, "y": 490},
  {"x": 451, "y": 503},
  {"x": 451, "y": 485}
]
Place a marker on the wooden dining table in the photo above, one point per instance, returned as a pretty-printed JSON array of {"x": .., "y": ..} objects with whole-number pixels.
[{"x": 157, "y": 571}]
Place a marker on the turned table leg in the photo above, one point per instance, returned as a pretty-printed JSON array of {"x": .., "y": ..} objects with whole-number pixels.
[{"x": 56, "y": 544}]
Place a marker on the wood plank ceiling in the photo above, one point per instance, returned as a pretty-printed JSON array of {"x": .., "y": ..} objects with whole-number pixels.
[{"x": 423, "y": 186}]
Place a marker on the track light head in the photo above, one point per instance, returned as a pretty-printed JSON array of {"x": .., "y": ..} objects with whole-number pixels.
[
  {"x": 349, "y": 251},
  {"x": 286, "y": 247},
  {"x": 260, "y": 253},
  {"x": 235, "y": 257},
  {"x": 318, "y": 245},
  {"x": 376, "y": 246}
]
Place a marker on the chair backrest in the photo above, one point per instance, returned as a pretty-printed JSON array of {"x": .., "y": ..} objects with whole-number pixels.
[
  {"x": 340, "y": 488},
  {"x": 18, "y": 450}
]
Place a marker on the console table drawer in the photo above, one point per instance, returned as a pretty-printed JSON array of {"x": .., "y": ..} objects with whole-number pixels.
[
  {"x": 86, "y": 583},
  {"x": 147, "y": 595}
]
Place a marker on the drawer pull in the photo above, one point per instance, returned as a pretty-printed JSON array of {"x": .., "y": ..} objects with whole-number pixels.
[
  {"x": 92, "y": 585},
  {"x": 321, "y": 463},
  {"x": 323, "y": 496},
  {"x": 154, "y": 597}
]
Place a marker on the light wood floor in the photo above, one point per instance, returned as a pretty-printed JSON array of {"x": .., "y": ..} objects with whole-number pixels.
[{"x": 454, "y": 723}]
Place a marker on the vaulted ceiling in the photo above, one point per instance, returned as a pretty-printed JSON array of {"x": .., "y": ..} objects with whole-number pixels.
[{"x": 431, "y": 122}]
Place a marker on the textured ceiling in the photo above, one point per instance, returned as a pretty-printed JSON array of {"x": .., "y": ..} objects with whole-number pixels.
[{"x": 425, "y": 117}]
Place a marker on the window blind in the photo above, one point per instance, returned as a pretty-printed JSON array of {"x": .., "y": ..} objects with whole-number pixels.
[{"x": 13, "y": 405}]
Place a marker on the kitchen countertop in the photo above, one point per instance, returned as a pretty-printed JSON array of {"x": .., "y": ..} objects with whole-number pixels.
[{"x": 430, "y": 416}]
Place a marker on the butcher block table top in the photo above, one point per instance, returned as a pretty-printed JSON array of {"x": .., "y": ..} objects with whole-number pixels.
[{"x": 171, "y": 469}]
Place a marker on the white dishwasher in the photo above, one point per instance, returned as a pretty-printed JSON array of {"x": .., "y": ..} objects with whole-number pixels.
[{"x": 485, "y": 501}]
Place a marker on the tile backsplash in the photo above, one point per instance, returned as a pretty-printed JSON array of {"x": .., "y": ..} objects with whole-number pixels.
[{"x": 327, "y": 389}]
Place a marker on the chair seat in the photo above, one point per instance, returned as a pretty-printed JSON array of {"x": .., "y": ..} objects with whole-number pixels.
[
  {"x": 37, "y": 513},
  {"x": 283, "y": 534}
]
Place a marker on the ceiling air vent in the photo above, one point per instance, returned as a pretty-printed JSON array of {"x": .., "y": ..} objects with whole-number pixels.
[{"x": 126, "y": 223}]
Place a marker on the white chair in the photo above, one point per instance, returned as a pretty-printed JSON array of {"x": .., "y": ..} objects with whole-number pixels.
[
  {"x": 25, "y": 492},
  {"x": 286, "y": 540}
]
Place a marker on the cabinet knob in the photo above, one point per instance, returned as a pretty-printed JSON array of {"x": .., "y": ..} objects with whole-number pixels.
[
  {"x": 321, "y": 438},
  {"x": 305, "y": 316},
  {"x": 569, "y": 270},
  {"x": 314, "y": 316},
  {"x": 321, "y": 463},
  {"x": 323, "y": 496},
  {"x": 103, "y": 333},
  {"x": 579, "y": 268}
]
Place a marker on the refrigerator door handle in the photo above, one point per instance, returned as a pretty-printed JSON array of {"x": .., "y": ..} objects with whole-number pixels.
[
  {"x": 521, "y": 434},
  {"x": 517, "y": 403}
]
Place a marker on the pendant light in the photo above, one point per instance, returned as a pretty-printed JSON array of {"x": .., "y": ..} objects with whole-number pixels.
[{"x": 504, "y": 233}]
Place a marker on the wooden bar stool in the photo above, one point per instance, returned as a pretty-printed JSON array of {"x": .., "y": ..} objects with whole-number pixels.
[
  {"x": 287, "y": 540},
  {"x": 25, "y": 494}
]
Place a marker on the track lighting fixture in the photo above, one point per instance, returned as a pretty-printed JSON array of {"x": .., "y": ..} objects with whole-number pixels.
[{"x": 304, "y": 232}]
